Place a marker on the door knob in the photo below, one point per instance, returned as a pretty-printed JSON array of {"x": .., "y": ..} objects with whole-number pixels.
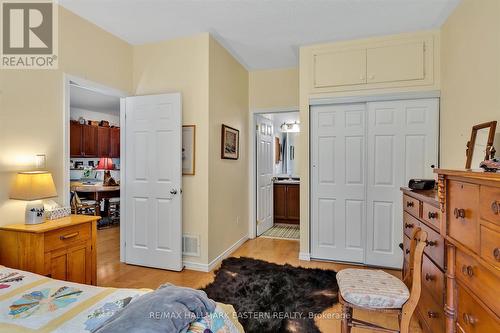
[{"x": 173, "y": 191}]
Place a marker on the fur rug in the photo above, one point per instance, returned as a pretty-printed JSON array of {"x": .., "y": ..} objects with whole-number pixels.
[{"x": 273, "y": 298}]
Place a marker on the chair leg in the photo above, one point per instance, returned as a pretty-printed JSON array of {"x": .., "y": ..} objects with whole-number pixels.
[
  {"x": 346, "y": 319},
  {"x": 404, "y": 322}
]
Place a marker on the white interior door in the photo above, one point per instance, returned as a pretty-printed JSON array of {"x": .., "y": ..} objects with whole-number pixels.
[
  {"x": 402, "y": 144},
  {"x": 265, "y": 157},
  {"x": 153, "y": 196},
  {"x": 338, "y": 182}
]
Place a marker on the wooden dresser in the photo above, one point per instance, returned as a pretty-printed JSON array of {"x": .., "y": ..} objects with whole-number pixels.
[
  {"x": 421, "y": 209},
  {"x": 63, "y": 249},
  {"x": 470, "y": 206}
]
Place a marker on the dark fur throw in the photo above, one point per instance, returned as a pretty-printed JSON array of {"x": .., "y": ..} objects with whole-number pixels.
[{"x": 274, "y": 298}]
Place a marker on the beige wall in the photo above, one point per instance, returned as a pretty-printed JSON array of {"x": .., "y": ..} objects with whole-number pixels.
[
  {"x": 31, "y": 102},
  {"x": 181, "y": 65},
  {"x": 228, "y": 179},
  {"x": 274, "y": 89},
  {"x": 470, "y": 92}
]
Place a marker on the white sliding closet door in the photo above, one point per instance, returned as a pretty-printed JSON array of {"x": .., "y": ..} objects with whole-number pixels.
[
  {"x": 402, "y": 144},
  {"x": 338, "y": 182}
]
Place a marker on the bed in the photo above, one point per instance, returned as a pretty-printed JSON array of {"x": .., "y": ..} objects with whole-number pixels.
[{"x": 34, "y": 303}]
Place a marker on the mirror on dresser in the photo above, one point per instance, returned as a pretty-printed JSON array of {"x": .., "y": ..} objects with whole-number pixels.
[{"x": 480, "y": 143}]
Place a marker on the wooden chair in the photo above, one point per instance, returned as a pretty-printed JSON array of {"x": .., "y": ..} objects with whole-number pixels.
[
  {"x": 395, "y": 298},
  {"x": 84, "y": 207}
]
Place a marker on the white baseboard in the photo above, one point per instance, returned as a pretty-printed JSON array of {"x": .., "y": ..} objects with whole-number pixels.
[
  {"x": 210, "y": 266},
  {"x": 305, "y": 256}
]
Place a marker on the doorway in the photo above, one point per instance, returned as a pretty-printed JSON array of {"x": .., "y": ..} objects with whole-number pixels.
[{"x": 276, "y": 177}]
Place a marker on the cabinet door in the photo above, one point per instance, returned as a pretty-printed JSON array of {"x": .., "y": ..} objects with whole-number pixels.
[
  {"x": 103, "y": 141},
  {"x": 89, "y": 140},
  {"x": 58, "y": 265},
  {"x": 79, "y": 264},
  {"x": 293, "y": 203},
  {"x": 401, "y": 62},
  {"x": 114, "y": 142},
  {"x": 75, "y": 139},
  {"x": 279, "y": 202},
  {"x": 340, "y": 68}
]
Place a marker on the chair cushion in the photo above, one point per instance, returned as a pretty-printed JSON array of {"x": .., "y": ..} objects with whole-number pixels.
[{"x": 372, "y": 288}]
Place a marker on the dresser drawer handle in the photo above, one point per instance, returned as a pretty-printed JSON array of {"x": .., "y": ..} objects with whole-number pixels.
[
  {"x": 407, "y": 251},
  {"x": 432, "y": 314},
  {"x": 459, "y": 213},
  {"x": 496, "y": 254},
  {"x": 69, "y": 236},
  {"x": 432, "y": 215},
  {"x": 495, "y": 207},
  {"x": 410, "y": 204},
  {"x": 469, "y": 319},
  {"x": 428, "y": 277},
  {"x": 467, "y": 270},
  {"x": 431, "y": 243},
  {"x": 409, "y": 225}
]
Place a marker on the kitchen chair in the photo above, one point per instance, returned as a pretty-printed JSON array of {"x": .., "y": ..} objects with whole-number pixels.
[
  {"x": 83, "y": 206},
  {"x": 376, "y": 290}
]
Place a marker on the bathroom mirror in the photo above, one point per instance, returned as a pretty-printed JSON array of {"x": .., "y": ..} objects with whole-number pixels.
[
  {"x": 290, "y": 154},
  {"x": 480, "y": 143}
]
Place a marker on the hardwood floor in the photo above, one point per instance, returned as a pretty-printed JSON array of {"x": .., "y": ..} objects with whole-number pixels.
[{"x": 112, "y": 273}]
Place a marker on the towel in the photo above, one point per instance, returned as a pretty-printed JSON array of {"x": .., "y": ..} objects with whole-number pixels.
[{"x": 168, "y": 309}]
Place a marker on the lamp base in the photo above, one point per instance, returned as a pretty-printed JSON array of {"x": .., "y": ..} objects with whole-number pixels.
[{"x": 35, "y": 212}]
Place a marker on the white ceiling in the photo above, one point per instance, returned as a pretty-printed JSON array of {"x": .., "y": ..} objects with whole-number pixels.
[
  {"x": 87, "y": 99},
  {"x": 261, "y": 34}
]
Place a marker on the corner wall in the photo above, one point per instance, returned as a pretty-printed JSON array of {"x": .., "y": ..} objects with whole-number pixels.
[
  {"x": 228, "y": 179},
  {"x": 274, "y": 89},
  {"x": 470, "y": 73},
  {"x": 31, "y": 103}
]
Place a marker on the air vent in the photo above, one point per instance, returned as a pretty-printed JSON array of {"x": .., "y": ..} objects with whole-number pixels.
[{"x": 191, "y": 245}]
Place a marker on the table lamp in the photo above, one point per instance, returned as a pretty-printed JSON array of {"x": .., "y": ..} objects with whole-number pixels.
[
  {"x": 34, "y": 186},
  {"x": 106, "y": 164}
]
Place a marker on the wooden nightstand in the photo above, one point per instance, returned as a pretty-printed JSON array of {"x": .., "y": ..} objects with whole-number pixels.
[{"x": 63, "y": 249}]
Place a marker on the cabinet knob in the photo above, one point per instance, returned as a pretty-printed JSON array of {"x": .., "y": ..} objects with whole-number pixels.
[
  {"x": 432, "y": 314},
  {"x": 371, "y": 77},
  {"x": 407, "y": 251},
  {"x": 467, "y": 270},
  {"x": 409, "y": 204},
  {"x": 432, "y": 215},
  {"x": 496, "y": 254},
  {"x": 459, "y": 213},
  {"x": 495, "y": 207},
  {"x": 431, "y": 243},
  {"x": 409, "y": 225},
  {"x": 428, "y": 277}
]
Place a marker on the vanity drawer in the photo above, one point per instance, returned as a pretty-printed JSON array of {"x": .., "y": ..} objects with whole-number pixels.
[
  {"x": 431, "y": 312},
  {"x": 409, "y": 224},
  {"x": 67, "y": 236},
  {"x": 479, "y": 279},
  {"x": 433, "y": 280},
  {"x": 411, "y": 205},
  {"x": 463, "y": 217},
  {"x": 471, "y": 317},
  {"x": 489, "y": 200},
  {"x": 490, "y": 246},
  {"x": 431, "y": 215},
  {"x": 435, "y": 246}
]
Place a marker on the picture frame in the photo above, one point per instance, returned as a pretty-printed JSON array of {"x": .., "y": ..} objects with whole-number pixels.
[
  {"x": 189, "y": 150},
  {"x": 230, "y": 143}
]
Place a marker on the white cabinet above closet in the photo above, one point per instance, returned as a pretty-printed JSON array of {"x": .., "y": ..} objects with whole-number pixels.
[{"x": 378, "y": 63}]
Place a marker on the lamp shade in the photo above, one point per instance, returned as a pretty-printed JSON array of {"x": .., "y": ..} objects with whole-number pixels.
[
  {"x": 105, "y": 163},
  {"x": 34, "y": 185}
]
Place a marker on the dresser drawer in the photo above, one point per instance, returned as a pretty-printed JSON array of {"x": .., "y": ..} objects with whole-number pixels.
[
  {"x": 433, "y": 280},
  {"x": 490, "y": 246},
  {"x": 431, "y": 215},
  {"x": 431, "y": 312},
  {"x": 489, "y": 198},
  {"x": 435, "y": 246},
  {"x": 409, "y": 224},
  {"x": 406, "y": 248},
  {"x": 67, "y": 236},
  {"x": 411, "y": 205},
  {"x": 471, "y": 317},
  {"x": 480, "y": 280},
  {"x": 462, "y": 213}
]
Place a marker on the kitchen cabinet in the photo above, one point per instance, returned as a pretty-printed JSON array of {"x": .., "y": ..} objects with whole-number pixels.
[
  {"x": 89, "y": 139},
  {"x": 287, "y": 203},
  {"x": 114, "y": 145},
  {"x": 103, "y": 141},
  {"x": 75, "y": 141}
]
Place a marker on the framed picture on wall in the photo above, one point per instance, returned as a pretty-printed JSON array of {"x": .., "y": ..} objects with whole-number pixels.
[
  {"x": 188, "y": 149},
  {"x": 230, "y": 143}
]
